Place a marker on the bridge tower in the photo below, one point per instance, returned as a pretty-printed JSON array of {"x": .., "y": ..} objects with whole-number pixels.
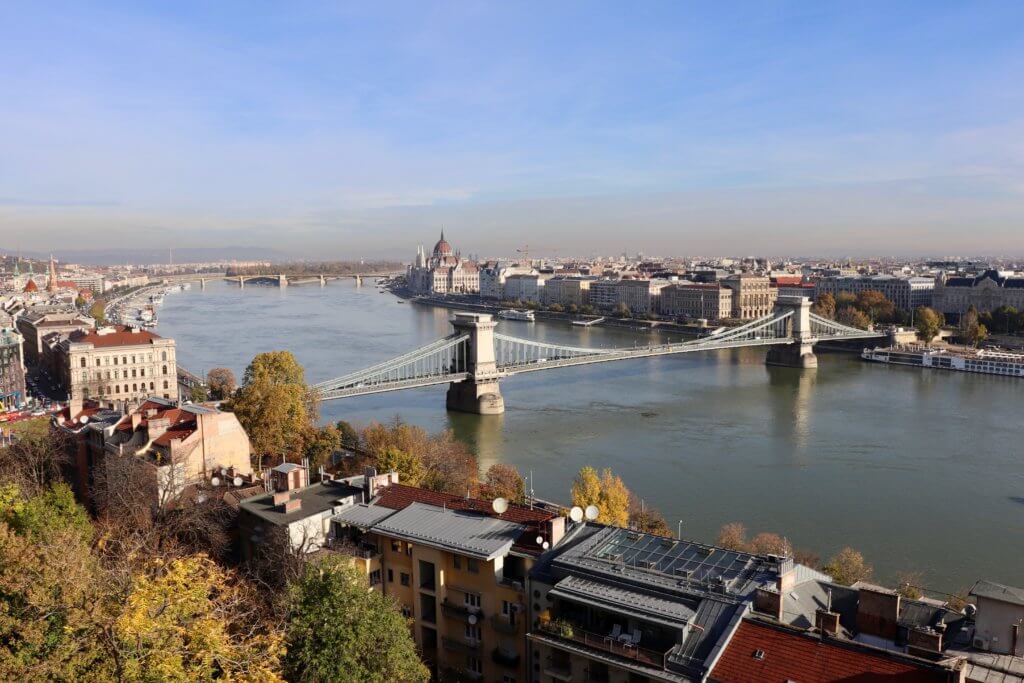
[
  {"x": 202, "y": 283},
  {"x": 241, "y": 281},
  {"x": 359, "y": 280},
  {"x": 282, "y": 280},
  {"x": 799, "y": 354},
  {"x": 480, "y": 393},
  {"x": 323, "y": 281}
]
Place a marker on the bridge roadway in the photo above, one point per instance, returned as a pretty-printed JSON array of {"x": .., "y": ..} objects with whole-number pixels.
[{"x": 474, "y": 359}]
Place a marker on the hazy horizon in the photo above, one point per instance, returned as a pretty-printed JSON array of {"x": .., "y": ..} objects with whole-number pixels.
[{"x": 332, "y": 131}]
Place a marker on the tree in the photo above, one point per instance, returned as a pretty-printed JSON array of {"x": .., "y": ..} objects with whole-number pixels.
[
  {"x": 409, "y": 466},
  {"x": 198, "y": 394},
  {"x": 98, "y": 312},
  {"x": 35, "y": 461},
  {"x": 971, "y": 330},
  {"x": 607, "y": 492},
  {"x": 732, "y": 536},
  {"x": 556, "y": 308},
  {"x": 187, "y": 620},
  {"x": 348, "y": 435},
  {"x": 622, "y": 310},
  {"x": 875, "y": 305},
  {"x": 1005, "y": 319},
  {"x": 845, "y": 300},
  {"x": 770, "y": 544},
  {"x": 321, "y": 444},
  {"x": 503, "y": 481},
  {"x": 339, "y": 631},
  {"x": 221, "y": 382},
  {"x": 647, "y": 519},
  {"x": 928, "y": 323},
  {"x": 274, "y": 405},
  {"x": 825, "y": 306},
  {"x": 853, "y": 317},
  {"x": 908, "y": 583},
  {"x": 848, "y": 567},
  {"x": 448, "y": 465}
]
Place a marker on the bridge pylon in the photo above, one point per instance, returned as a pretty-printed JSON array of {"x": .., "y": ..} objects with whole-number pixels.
[
  {"x": 799, "y": 354},
  {"x": 282, "y": 280},
  {"x": 479, "y": 394}
]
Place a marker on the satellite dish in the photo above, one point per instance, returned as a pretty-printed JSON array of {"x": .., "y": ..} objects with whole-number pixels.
[
  {"x": 499, "y": 505},
  {"x": 472, "y": 619},
  {"x": 540, "y": 539},
  {"x": 215, "y": 481},
  {"x": 83, "y": 419},
  {"x": 223, "y": 471},
  {"x": 591, "y": 512},
  {"x": 576, "y": 514},
  {"x": 237, "y": 481},
  {"x": 545, "y": 545}
]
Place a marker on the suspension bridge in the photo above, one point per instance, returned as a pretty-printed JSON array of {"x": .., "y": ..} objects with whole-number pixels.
[{"x": 474, "y": 358}]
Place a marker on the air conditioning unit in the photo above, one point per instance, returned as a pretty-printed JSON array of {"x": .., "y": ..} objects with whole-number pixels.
[{"x": 981, "y": 643}]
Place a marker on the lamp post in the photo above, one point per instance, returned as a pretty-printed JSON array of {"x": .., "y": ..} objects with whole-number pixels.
[{"x": 679, "y": 530}]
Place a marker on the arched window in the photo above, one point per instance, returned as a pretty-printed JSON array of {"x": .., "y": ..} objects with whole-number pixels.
[
  {"x": 135, "y": 387},
  {"x": 126, "y": 388},
  {"x": 165, "y": 369},
  {"x": 151, "y": 386}
]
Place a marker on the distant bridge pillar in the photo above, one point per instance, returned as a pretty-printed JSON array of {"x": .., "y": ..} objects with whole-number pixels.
[
  {"x": 359, "y": 280},
  {"x": 799, "y": 354},
  {"x": 480, "y": 393},
  {"x": 241, "y": 281},
  {"x": 202, "y": 283},
  {"x": 282, "y": 280},
  {"x": 323, "y": 281}
]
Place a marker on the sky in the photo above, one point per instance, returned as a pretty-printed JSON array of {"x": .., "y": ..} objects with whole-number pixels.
[{"x": 352, "y": 130}]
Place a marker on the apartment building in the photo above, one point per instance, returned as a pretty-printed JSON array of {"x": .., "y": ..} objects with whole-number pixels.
[
  {"x": 752, "y": 295},
  {"x": 986, "y": 292},
  {"x": 567, "y": 291},
  {"x": 12, "y": 369},
  {"x": 907, "y": 293},
  {"x": 117, "y": 366},
  {"x": 42, "y": 321},
  {"x": 710, "y": 301},
  {"x": 524, "y": 287}
]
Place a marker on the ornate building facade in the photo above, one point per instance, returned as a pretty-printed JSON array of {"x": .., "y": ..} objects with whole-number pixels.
[{"x": 443, "y": 272}]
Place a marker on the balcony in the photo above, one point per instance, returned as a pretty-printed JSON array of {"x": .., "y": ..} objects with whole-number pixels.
[
  {"x": 572, "y": 633},
  {"x": 559, "y": 669},
  {"x": 509, "y": 658},
  {"x": 363, "y": 551},
  {"x": 515, "y": 584},
  {"x": 456, "y": 610},
  {"x": 501, "y": 624},
  {"x": 453, "y": 645},
  {"x": 460, "y": 674}
]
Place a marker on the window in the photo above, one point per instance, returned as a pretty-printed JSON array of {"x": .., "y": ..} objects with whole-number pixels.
[
  {"x": 427, "y": 580},
  {"x": 472, "y": 565},
  {"x": 474, "y": 664},
  {"x": 124, "y": 360},
  {"x": 165, "y": 384},
  {"x": 472, "y": 632},
  {"x": 115, "y": 360},
  {"x": 83, "y": 362},
  {"x": 408, "y": 549},
  {"x": 375, "y": 577},
  {"x": 396, "y": 546},
  {"x": 133, "y": 372},
  {"x": 457, "y": 562},
  {"x": 391, "y": 576},
  {"x": 142, "y": 372},
  {"x": 152, "y": 386},
  {"x": 126, "y": 388},
  {"x": 405, "y": 579},
  {"x": 163, "y": 356},
  {"x": 472, "y": 600},
  {"x": 97, "y": 362},
  {"x": 406, "y": 612},
  {"x": 165, "y": 369}
]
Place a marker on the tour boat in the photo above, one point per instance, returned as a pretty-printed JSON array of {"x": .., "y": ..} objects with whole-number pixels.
[
  {"x": 981, "y": 361},
  {"x": 513, "y": 314}
]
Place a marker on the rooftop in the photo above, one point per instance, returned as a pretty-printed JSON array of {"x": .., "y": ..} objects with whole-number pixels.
[
  {"x": 316, "y": 499},
  {"x": 468, "y": 533},
  {"x": 118, "y": 335},
  {"x": 997, "y": 591}
]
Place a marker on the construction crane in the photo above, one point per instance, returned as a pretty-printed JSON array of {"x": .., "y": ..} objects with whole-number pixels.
[{"x": 525, "y": 251}]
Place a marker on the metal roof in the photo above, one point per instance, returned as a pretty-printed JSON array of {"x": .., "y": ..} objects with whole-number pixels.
[
  {"x": 316, "y": 499},
  {"x": 363, "y": 515},
  {"x": 467, "y": 533},
  {"x": 997, "y": 591},
  {"x": 611, "y": 597}
]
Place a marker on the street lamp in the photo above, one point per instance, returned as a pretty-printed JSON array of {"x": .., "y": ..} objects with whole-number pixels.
[{"x": 679, "y": 530}]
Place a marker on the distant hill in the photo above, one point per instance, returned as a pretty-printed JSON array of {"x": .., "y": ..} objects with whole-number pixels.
[{"x": 113, "y": 257}]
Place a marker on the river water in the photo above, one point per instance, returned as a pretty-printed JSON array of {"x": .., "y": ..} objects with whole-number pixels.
[{"x": 921, "y": 471}]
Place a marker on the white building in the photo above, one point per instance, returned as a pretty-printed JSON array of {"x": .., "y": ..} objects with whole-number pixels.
[{"x": 444, "y": 272}]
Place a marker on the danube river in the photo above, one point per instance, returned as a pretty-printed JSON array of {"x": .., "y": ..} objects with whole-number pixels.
[{"x": 921, "y": 471}]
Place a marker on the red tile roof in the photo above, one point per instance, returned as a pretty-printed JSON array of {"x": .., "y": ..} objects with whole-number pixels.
[
  {"x": 122, "y": 336},
  {"x": 400, "y": 496},
  {"x": 789, "y": 655}
]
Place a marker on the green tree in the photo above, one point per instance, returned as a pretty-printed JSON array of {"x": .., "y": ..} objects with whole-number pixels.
[
  {"x": 348, "y": 434},
  {"x": 98, "y": 312},
  {"x": 1005, "y": 319},
  {"x": 222, "y": 383},
  {"x": 503, "y": 481},
  {"x": 825, "y": 306},
  {"x": 339, "y": 631},
  {"x": 928, "y": 322},
  {"x": 321, "y": 444},
  {"x": 853, "y": 317},
  {"x": 848, "y": 567},
  {"x": 275, "y": 406},
  {"x": 198, "y": 394},
  {"x": 408, "y": 465},
  {"x": 45, "y": 513}
]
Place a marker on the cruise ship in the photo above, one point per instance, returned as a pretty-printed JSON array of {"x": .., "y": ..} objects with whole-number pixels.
[
  {"x": 513, "y": 314},
  {"x": 982, "y": 361}
]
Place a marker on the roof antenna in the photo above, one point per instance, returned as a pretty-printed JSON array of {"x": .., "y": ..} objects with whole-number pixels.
[{"x": 531, "y": 489}]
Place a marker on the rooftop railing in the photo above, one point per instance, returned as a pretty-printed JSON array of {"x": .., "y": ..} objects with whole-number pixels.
[{"x": 605, "y": 643}]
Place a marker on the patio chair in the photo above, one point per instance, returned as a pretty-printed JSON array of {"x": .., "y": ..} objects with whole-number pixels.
[
  {"x": 616, "y": 632},
  {"x": 636, "y": 637}
]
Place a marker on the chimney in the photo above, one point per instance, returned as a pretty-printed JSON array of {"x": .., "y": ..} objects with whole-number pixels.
[
  {"x": 281, "y": 497},
  {"x": 768, "y": 600},
  {"x": 878, "y": 610},
  {"x": 292, "y": 505},
  {"x": 924, "y": 641},
  {"x": 555, "y": 530},
  {"x": 826, "y": 622}
]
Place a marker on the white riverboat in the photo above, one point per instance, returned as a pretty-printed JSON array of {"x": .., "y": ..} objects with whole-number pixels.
[
  {"x": 981, "y": 361},
  {"x": 513, "y": 314}
]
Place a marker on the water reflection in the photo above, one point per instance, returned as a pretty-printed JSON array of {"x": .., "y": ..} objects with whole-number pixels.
[{"x": 793, "y": 392}]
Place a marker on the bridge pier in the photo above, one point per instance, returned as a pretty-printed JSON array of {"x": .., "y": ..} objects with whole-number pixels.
[
  {"x": 241, "y": 282},
  {"x": 480, "y": 394},
  {"x": 323, "y": 281},
  {"x": 282, "y": 280},
  {"x": 202, "y": 283},
  {"x": 799, "y": 354}
]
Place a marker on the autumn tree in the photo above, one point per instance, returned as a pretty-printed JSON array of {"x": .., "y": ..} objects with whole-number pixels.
[
  {"x": 647, "y": 519},
  {"x": 928, "y": 322},
  {"x": 35, "y": 461},
  {"x": 845, "y": 300},
  {"x": 875, "y": 305},
  {"x": 275, "y": 406},
  {"x": 348, "y": 434},
  {"x": 503, "y": 481},
  {"x": 321, "y": 444},
  {"x": 339, "y": 631},
  {"x": 606, "y": 492},
  {"x": 447, "y": 464},
  {"x": 853, "y": 317},
  {"x": 847, "y": 567},
  {"x": 408, "y": 465},
  {"x": 622, "y": 310},
  {"x": 766, "y": 543},
  {"x": 825, "y": 306},
  {"x": 222, "y": 383},
  {"x": 971, "y": 330},
  {"x": 732, "y": 536}
]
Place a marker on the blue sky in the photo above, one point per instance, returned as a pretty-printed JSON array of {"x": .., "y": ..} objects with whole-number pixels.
[{"x": 358, "y": 129}]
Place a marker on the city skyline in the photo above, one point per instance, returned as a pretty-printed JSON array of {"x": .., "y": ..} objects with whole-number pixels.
[{"x": 359, "y": 133}]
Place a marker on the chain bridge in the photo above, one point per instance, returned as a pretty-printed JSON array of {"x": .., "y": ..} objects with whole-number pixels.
[{"x": 474, "y": 358}]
